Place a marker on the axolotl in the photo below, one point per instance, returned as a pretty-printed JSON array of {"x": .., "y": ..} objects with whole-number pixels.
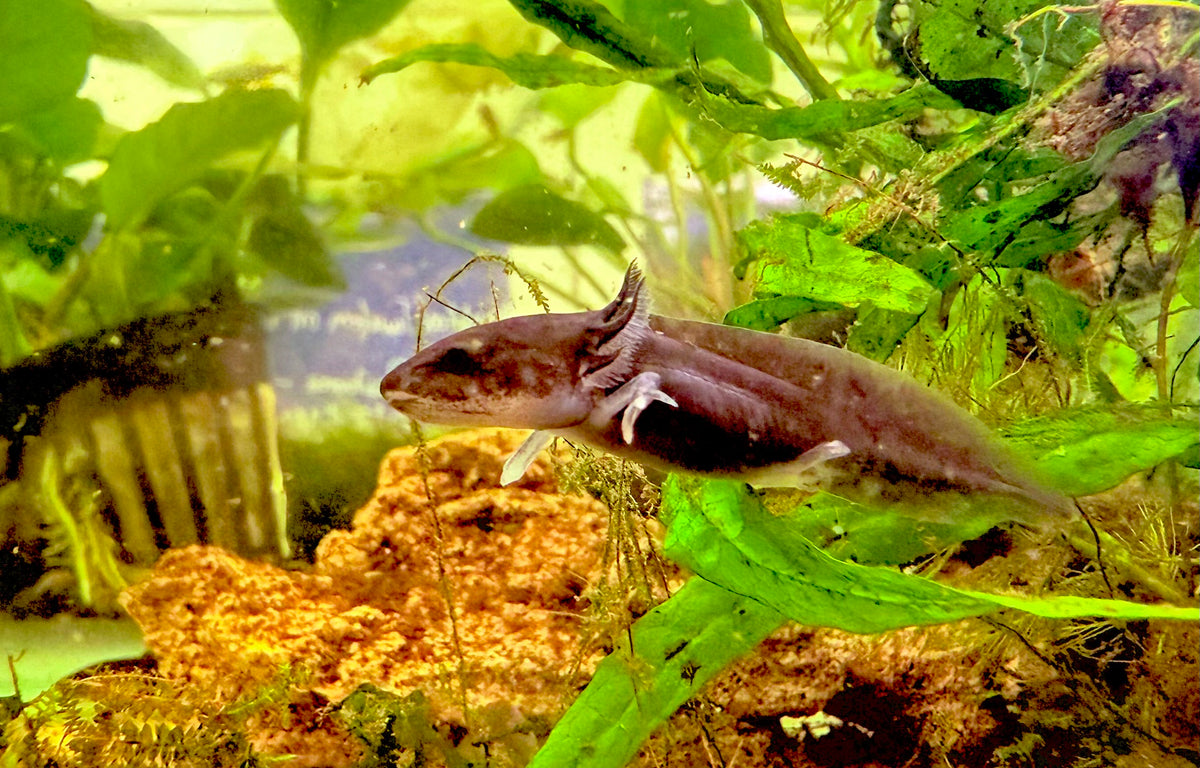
[{"x": 682, "y": 395}]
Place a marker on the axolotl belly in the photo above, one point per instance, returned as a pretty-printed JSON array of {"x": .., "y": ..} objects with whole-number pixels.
[{"x": 720, "y": 401}]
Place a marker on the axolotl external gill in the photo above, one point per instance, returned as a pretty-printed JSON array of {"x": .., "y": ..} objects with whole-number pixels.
[{"x": 682, "y": 395}]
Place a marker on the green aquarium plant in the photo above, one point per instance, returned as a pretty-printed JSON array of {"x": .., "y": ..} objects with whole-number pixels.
[
  {"x": 998, "y": 198},
  {"x": 118, "y": 287},
  {"x": 978, "y": 230}
]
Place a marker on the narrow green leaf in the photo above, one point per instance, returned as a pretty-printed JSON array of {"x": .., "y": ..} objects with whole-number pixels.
[
  {"x": 677, "y": 648},
  {"x": 165, "y": 156},
  {"x": 139, "y": 43},
  {"x": 725, "y": 535},
  {"x": 533, "y": 215},
  {"x": 1090, "y": 449},
  {"x": 1039, "y": 239},
  {"x": 525, "y": 69},
  {"x": 984, "y": 94},
  {"x": 324, "y": 26},
  {"x": 825, "y": 120},
  {"x": 592, "y": 28},
  {"x": 993, "y": 226},
  {"x": 793, "y": 259},
  {"x": 44, "y": 50},
  {"x": 769, "y": 314}
]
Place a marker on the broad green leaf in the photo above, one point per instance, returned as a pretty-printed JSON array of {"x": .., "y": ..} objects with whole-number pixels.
[
  {"x": 1059, "y": 318},
  {"x": 165, "y": 156},
  {"x": 572, "y": 104},
  {"x": 968, "y": 40},
  {"x": 66, "y": 131},
  {"x": 707, "y": 30},
  {"x": 876, "y": 536},
  {"x": 877, "y": 331},
  {"x": 47, "y": 650},
  {"x": 324, "y": 26},
  {"x": 592, "y": 28},
  {"x": 286, "y": 241},
  {"x": 1001, "y": 167},
  {"x": 1090, "y": 449},
  {"x": 533, "y": 215},
  {"x": 790, "y": 258},
  {"x": 496, "y": 165},
  {"x": 652, "y": 134},
  {"x": 139, "y": 43},
  {"x": 723, "y": 533},
  {"x": 677, "y": 648},
  {"x": 44, "y": 50},
  {"x": 769, "y": 314},
  {"x": 990, "y": 227},
  {"x": 525, "y": 69}
]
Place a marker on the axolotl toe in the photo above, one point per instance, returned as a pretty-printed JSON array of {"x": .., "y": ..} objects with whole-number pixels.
[{"x": 714, "y": 400}]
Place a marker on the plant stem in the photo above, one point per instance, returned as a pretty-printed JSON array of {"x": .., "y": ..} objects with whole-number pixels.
[{"x": 779, "y": 38}]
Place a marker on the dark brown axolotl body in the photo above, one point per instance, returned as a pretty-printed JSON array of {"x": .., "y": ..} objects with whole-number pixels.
[{"x": 721, "y": 401}]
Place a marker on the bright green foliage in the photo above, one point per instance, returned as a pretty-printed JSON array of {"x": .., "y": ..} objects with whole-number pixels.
[
  {"x": 165, "y": 156},
  {"x": 325, "y": 26},
  {"x": 525, "y": 69},
  {"x": 677, "y": 647},
  {"x": 754, "y": 569},
  {"x": 823, "y": 121},
  {"x": 1092, "y": 448},
  {"x": 723, "y": 533},
  {"x": 989, "y": 227},
  {"x": 790, "y": 258},
  {"x": 1059, "y": 316},
  {"x": 66, "y": 131},
  {"x": 534, "y": 215},
  {"x": 46, "y": 47},
  {"x": 769, "y": 314},
  {"x": 46, "y": 650},
  {"x": 968, "y": 40},
  {"x": 592, "y": 28},
  {"x": 139, "y": 43},
  {"x": 708, "y": 30}
]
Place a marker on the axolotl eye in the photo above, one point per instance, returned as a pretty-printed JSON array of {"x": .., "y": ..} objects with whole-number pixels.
[{"x": 457, "y": 362}]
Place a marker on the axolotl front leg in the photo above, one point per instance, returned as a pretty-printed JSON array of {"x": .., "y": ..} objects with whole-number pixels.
[{"x": 627, "y": 403}]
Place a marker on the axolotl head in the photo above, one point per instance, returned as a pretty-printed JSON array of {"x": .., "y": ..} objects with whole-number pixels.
[{"x": 532, "y": 372}]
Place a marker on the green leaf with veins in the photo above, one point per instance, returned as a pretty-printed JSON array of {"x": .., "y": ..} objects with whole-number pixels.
[
  {"x": 533, "y": 215},
  {"x": 167, "y": 155},
  {"x": 44, "y": 51}
]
